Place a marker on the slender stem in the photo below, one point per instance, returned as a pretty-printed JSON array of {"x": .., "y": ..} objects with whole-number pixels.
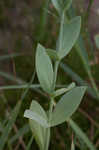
[
  {"x": 61, "y": 32},
  {"x": 47, "y": 139},
  {"x": 51, "y": 109},
  {"x": 24, "y": 86},
  {"x": 59, "y": 48},
  {"x": 55, "y": 73},
  {"x": 54, "y": 82}
]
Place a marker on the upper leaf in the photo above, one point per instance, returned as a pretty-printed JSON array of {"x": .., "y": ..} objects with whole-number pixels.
[
  {"x": 44, "y": 69},
  {"x": 61, "y": 5},
  {"x": 70, "y": 32},
  {"x": 67, "y": 105}
]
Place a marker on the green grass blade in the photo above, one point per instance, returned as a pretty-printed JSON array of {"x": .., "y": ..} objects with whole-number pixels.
[
  {"x": 10, "y": 77},
  {"x": 4, "y": 57},
  {"x": 29, "y": 144},
  {"x": 9, "y": 126},
  {"x": 43, "y": 21},
  {"x": 88, "y": 10},
  {"x": 85, "y": 62},
  {"x": 78, "y": 79},
  {"x": 81, "y": 134},
  {"x": 81, "y": 50},
  {"x": 14, "y": 114},
  {"x": 20, "y": 132},
  {"x": 23, "y": 86}
]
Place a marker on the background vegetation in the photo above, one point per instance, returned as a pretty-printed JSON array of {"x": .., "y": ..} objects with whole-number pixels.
[{"x": 22, "y": 25}]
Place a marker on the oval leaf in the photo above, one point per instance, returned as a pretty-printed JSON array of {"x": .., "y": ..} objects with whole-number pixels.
[
  {"x": 39, "y": 132},
  {"x": 44, "y": 69},
  {"x": 69, "y": 36},
  {"x": 67, "y": 105}
]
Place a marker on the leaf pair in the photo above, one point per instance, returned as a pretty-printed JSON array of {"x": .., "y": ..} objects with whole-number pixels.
[
  {"x": 68, "y": 36},
  {"x": 66, "y": 106},
  {"x": 38, "y": 119}
]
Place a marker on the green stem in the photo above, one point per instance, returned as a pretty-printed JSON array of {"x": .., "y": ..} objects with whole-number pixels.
[
  {"x": 47, "y": 139},
  {"x": 55, "y": 73},
  {"x": 51, "y": 109},
  {"x": 61, "y": 31},
  {"x": 54, "y": 82}
]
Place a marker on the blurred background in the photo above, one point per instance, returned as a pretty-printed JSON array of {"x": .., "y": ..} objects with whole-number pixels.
[{"x": 22, "y": 25}]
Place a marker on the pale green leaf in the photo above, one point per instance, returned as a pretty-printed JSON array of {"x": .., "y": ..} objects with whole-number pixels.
[
  {"x": 4, "y": 57},
  {"x": 13, "y": 116},
  {"x": 21, "y": 132},
  {"x": 70, "y": 33},
  {"x": 44, "y": 69},
  {"x": 39, "y": 132},
  {"x": 67, "y": 105}
]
